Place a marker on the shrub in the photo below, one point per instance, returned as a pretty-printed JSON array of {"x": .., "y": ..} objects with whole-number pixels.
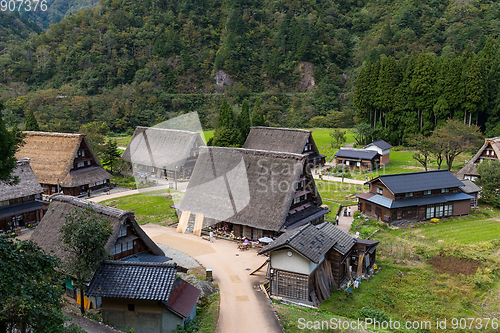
[
  {"x": 367, "y": 312},
  {"x": 434, "y": 220}
]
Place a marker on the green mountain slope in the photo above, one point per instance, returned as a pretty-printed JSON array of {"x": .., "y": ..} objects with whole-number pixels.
[
  {"x": 57, "y": 10},
  {"x": 150, "y": 51}
]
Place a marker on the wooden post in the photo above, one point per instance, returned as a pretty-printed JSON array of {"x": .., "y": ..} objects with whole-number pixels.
[
  {"x": 198, "y": 224},
  {"x": 360, "y": 265},
  {"x": 183, "y": 222}
]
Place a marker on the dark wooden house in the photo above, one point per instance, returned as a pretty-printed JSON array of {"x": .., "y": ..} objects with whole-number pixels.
[
  {"x": 163, "y": 152},
  {"x": 20, "y": 204},
  {"x": 310, "y": 261},
  {"x": 357, "y": 159},
  {"x": 63, "y": 163},
  {"x": 414, "y": 196},
  {"x": 382, "y": 148},
  {"x": 489, "y": 151},
  {"x": 253, "y": 193},
  {"x": 128, "y": 238},
  {"x": 286, "y": 140},
  {"x": 146, "y": 297}
]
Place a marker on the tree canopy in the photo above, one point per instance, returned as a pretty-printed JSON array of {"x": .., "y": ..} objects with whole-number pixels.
[{"x": 9, "y": 144}]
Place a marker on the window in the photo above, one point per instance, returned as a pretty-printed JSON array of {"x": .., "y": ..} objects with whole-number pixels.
[
  {"x": 445, "y": 190},
  {"x": 439, "y": 210},
  {"x": 123, "y": 231},
  {"x": 4, "y": 203},
  {"x": 358, "y": 164},
  {"x": 427, "y": 192},
  {"x": 409, "y": 195},
  {"x": 131, "y": 307},
  {"x": 346, "y": 162},
  {"x": 81, "y": 164},
  {"x": 487, "y": 152},
  {"x": 429, "y": 212},
  {"x": 296, "y": 200},
  {"x": 380, "y": 190},
  {"x": 448, "y": 209}
]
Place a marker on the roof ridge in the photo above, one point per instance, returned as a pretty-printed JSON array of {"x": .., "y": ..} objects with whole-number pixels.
[
  {"x": 259, "y": 152},
  {"x": 137, "y": 263},
  {"x": 40, "y": 133},
  {"x": 107, "y": 210},
  {"x": 411, "y": 173},
  {"x": 167, "y": 129},
  {"x": 282, "y": 129}
]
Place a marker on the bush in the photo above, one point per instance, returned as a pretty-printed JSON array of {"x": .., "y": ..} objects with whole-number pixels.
[{"x": 367, "y": 312}]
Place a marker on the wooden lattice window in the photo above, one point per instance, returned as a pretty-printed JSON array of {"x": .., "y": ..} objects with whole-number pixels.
[{"x": 290, "y": 285}]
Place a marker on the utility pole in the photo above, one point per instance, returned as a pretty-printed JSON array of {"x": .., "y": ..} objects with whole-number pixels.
[{"x": 343, "y": 166}]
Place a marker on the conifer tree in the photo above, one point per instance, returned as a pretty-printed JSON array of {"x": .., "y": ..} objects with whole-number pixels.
[
  {"x": 225, "y": 118},
  {"x": 9, "y": 144},
  {"x": 257, "y": 115},
  {"x": 31, "y": 123},
  {"x": 226, "y": 133},
  {"x": 243, "y": 121}
]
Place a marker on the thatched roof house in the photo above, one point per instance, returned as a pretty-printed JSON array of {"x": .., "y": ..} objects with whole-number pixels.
[
  {"x": 18, "y": 203},
  {"x": 286, "y": 140},
  {"x": 159, "y": 150},
  {"x": 489, "y": 151},
  {"x": 255, "y": 192},
  {"x": 127, "y": 238},
  {"x": 63, "y": 161}
]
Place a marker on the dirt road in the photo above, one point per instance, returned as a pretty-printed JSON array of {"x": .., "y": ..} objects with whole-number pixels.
[{"x": 243, "y": 308}]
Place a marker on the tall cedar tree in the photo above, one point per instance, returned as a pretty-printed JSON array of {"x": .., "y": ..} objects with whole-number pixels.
[
  {"x": 31, "y": 289},
  {"x": 243, "y": 121},
  {"x": 31, "y": 123},
  {"x": 258, "y": 115},
  {"x": 226, "y": 133},
  {"x": 85, "y": 234},
  {"x": 9, "y": 144},
  {"x": 110, "y": 154}
]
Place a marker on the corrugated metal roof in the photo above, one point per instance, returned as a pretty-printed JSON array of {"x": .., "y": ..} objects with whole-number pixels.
[
  {"x": 419, "y": 181},
  {"x": 183, "y": 298},
  {"x": 356, "y": 153}
]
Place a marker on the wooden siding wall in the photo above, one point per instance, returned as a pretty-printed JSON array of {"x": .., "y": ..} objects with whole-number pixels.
[
  {"x": 290, "y": 285},
  {"x": 461, "y": 207},
  {"x": 338, "y": 266}
]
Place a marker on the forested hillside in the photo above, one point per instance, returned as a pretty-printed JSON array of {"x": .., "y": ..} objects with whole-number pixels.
[
  {"x": 57, "y": 10},
  {"x": 132, "y": 63},
  {"x": 15, "y": 29}
]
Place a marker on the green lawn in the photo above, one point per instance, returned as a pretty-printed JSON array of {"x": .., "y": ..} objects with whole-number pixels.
[
  {"x": 468, "y": 231},
  {"x": 151, "y": 207},
  {"x": 343, "y": 193},
  {"x": 323, "y": 140}
]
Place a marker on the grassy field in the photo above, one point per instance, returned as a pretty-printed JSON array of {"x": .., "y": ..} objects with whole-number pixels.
[
  {"x": 150, "y": 207},
  {"x": 343, "y": 193},
  {"x": 421, "y": 278}
]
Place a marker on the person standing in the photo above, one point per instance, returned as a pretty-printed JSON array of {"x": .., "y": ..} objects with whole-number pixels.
[
  {"x": 349, "y": 211},
  {"x": 337, "y": 219}
]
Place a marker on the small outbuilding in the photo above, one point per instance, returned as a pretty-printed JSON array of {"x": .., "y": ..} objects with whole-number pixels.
[
  {"x": 359, "y": 159},
  {"x": 471, "y": 189},
  {"x": 146, "y": 297},
  {"x": 382, "y": 148},
  {"x": 310, "y": 261}
]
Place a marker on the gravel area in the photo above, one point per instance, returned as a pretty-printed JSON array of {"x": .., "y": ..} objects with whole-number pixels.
[{"x": 179, "y": 257}]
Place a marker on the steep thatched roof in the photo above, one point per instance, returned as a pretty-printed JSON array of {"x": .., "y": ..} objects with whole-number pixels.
[
  {"x": 246, "y": 187},
  {"x": 28, "y": 185},
  {"x": 161, "y": 148},
  {"x": 51, "y": 157},
  {"x": 287, "y": 140},
  {"x": 47, "y": 236},
  {"x": 470, "y": 168}
]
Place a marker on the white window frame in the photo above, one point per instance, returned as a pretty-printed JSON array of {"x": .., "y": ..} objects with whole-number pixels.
[
  {"x": 380, "y": 190},
  {"x": 445, "y": 190},
  {"x": 427, "y": 192},
  {"x": 409, "y": 195}
]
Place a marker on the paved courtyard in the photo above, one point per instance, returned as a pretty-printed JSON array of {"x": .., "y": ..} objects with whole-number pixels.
[{"x": 244, "y": 307}]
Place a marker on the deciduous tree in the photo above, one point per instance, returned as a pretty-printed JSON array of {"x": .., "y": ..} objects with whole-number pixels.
[
  {"x": 489, "y": 172},
  {"x": 84, "y": 235},
  {"x": 338, "y": 138}
]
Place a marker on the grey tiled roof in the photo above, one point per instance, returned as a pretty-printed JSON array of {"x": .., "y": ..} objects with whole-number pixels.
[
  {"x": 356, "y": 153},
  {"x": 421, "y": 201},
  {"x": 469, "y": 187},
  {"x": 381, "y": 144},
  {"x": 313, "y": 242},
  {"x": 419, "y": 181},
  {"x": 133, "y": 280}
]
